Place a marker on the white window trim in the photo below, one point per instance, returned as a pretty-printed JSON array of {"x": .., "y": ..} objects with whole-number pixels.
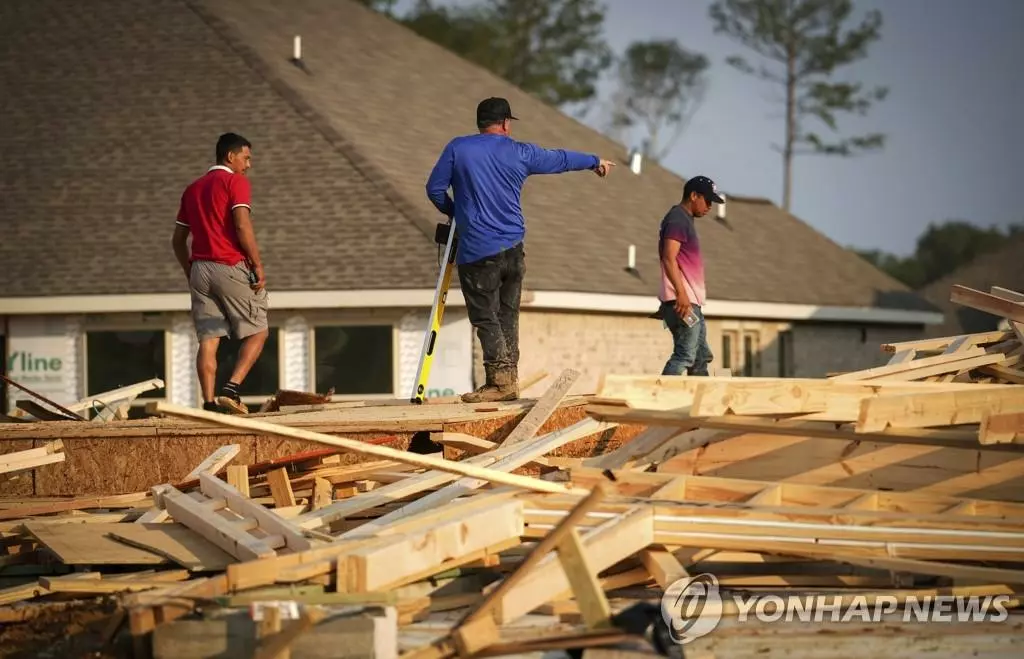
[{"x": 356, "y": 321}]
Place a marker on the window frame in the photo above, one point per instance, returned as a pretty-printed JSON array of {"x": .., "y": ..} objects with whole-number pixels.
[
  {"x": 362, "y": 320},
  {"x": 730, "y": 354},
  {"x": 785, "y": 338},
  {"x": 144, "y": 322},
  {"x": 752, "y": 369}
]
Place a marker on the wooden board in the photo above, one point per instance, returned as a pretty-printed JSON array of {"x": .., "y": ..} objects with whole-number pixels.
[
  {"x": 175, "y": 542},
  {"x": 89, "y": 544}
]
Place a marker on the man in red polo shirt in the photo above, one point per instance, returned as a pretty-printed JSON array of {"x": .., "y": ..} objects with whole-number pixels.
[{"x": 224, "y": 270}]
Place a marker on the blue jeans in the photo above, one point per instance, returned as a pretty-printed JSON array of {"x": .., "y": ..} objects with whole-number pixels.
[{"x": 690, "y": 351}]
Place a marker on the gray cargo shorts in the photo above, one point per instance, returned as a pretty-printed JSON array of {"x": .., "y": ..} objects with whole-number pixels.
[{"x": 223, "y": 301}]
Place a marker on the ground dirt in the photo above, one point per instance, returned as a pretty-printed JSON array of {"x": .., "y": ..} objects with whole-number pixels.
[{"x": 71, "y": 632}]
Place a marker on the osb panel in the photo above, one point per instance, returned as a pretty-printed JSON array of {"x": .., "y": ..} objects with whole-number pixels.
[
  {"x": 119, "y": 466},
  {"x": 269, "y": 448},
  {"x": 17, "y": 484}
]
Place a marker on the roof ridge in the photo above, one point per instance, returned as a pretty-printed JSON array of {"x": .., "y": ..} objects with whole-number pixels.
[{"x": 364, "y": 165}]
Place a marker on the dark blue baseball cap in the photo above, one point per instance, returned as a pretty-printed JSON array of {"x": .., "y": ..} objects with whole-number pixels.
[
  {"x": 703, "y": 186},
  {"x": 493, "y": 109}
]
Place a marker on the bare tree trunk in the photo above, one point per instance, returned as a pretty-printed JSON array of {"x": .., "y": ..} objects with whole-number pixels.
[{"x": 787, "y": 154}]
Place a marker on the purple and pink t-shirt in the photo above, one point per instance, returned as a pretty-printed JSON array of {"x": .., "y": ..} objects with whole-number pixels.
[{"x": 678, "y": 225}]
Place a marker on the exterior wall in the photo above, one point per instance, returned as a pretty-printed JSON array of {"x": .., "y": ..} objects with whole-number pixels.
[
  {"x": 47, "y": 353},
  {"x": 824, "y": 348},
  {"x": 597, "y": 344},
  {"x": 451, "y": 370},
  {"x": 43, "y": 355},
  {"x": 593, "y": 344}
]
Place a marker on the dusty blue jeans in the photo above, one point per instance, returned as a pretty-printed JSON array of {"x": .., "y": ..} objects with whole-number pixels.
[{"x": 690, "y": 351}]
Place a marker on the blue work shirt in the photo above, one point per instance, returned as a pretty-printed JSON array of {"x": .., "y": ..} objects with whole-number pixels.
[{"x": 487, "y": 172}]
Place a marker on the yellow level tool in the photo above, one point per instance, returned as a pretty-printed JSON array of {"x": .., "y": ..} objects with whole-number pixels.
[{"x": 419, "y": 391}]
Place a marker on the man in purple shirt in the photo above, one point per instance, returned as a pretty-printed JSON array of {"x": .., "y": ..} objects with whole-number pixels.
[
  {"x": 487, "y": 171},
  {"x": 682, "y": 279}
]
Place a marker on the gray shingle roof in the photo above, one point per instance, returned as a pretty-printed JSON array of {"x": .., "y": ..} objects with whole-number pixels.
[{"x": 112, "y": 120}]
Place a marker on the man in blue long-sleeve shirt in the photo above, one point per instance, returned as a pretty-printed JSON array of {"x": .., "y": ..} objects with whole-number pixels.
[{"x": 487, "y": 172}]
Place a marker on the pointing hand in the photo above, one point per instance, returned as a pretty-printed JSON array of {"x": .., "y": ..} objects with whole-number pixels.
[{"x": 604, "y": 168}]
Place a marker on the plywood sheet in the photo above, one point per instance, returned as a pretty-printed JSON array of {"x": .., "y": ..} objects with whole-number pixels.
[
  {"x": 121, "y": 466},
  {"x": 175, "y": 542},
  {"x": 89, "y": 544},
  {"x": 18, "y": 484}
]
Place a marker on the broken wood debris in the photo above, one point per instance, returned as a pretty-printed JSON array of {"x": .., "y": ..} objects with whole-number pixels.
[{"x": 457, "y": 554}]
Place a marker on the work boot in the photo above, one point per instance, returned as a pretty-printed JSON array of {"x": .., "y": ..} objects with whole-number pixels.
[
  {"x": 500, "y": 386},
  {"x": 230, "y": 402}
]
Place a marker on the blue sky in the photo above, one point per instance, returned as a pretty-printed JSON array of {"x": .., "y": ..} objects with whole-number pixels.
[{"x": 955, "y": 140}]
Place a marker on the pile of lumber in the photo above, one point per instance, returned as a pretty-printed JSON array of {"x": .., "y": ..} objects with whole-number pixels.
[{"x": 490, "y": 548}]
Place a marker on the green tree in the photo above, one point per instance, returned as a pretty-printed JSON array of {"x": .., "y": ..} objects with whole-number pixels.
[
  {"x": 803, "y": 43},
  {"x": 383, "y": 6},
  {"x": 552, "y": 49},
  {"x": 941, "y": 249},
  {"x": 660, "y": 86}
]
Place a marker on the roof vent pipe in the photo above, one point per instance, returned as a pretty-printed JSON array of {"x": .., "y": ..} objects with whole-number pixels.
[
  {"x": 631, "y": 259},
  {"x": 636, "y": 161},
  {"x": 720, "y": 210},
  {"x": 297, "y": 48}
]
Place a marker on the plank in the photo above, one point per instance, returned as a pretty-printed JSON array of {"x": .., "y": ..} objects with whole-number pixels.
[
  {"x": 322, "y": 493},
  {"x": 175, "y": 542},
  {"x": 1002, "y": 428},
  {"x": 910, "y": 365},
  {"x": 214, "y": 462},
  {"x": 942, "y": 343},
  {"x": 522, "y": 455},
  {"x": 88, "y": 544},
  {"x": 1014, "y": 375},
  {"x": 12, "y": 462},
  {"x": 615, "y": 539},
  {"x": 714, "y": 488},
  {"x": 430, "y": 462},
  {"x": 268, "y": 520},
  {"x": 38, "y": 411},
  {"x": 264, "y": 572},
  {"x": 541, "y": 551},
  {"x": 991, "y": 304},
  {"x": 377, "y": 567},
  {"x": 902, "y": 356},
  {"x": 543, "y": 409},
  {"x": 281, "y": 488},
  {"x": 677, "y": 392},
  {"x": 963, "y": 439},
  {"x": 943, "y": 408},
  {"x": 212, "y": 526},
  {"x": 583, "y": 581},
  {"x": 663, "y": 566},
  {"x": 238, "y": 478},
  {"x": 980, "y": 574},
  {"x": 642, "y": 445}
]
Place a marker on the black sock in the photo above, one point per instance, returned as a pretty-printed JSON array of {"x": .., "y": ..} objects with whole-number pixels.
[{"x": 231, "y": 390}]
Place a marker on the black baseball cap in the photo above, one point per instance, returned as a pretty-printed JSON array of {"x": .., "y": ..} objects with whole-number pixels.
[
  {"x": 492, "y": 110},
  {"x": 703, "y": 186}
]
